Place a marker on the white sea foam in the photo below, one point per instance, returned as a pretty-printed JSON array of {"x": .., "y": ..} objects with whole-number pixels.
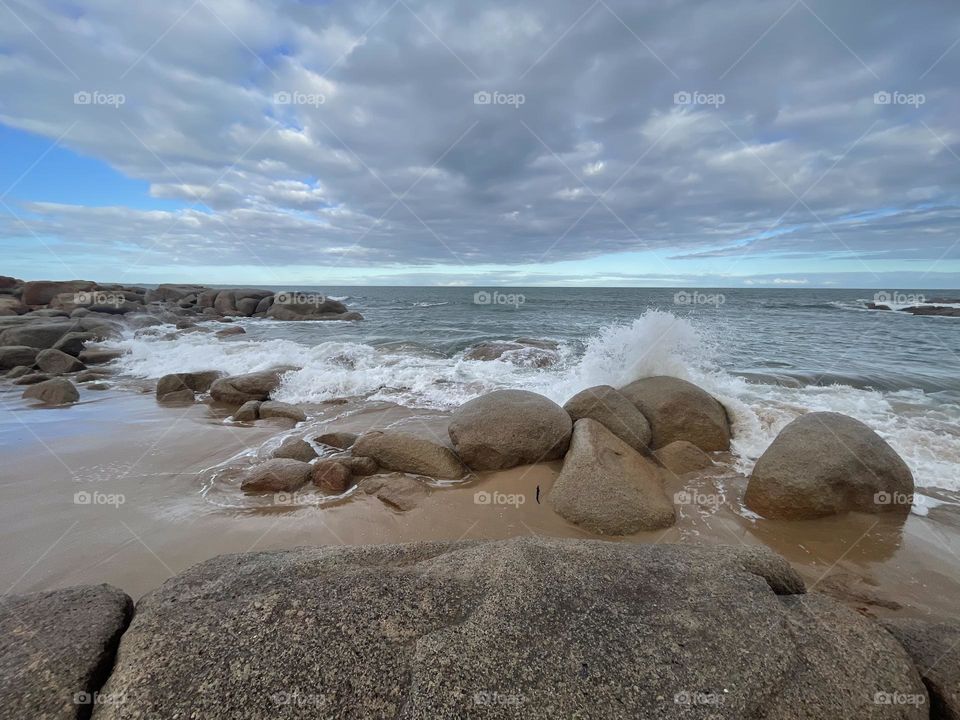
[{"x": 923, "y": 430}]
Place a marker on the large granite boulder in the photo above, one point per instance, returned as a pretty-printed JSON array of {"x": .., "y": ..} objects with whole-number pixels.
[
  {"x": 308, "y": 306},
  {"x": 406, "y": 452},
  {"x": 525, "y": 628},
  {"x": 679, "y": 410},
  {"x": 15, "y": 355},
  {"x": 277, "y": 475},
  {"x": 57, "y": 648},
  {"x": 506, "y": 428},
  {"x": 826, "y": 463},
  {"x": 681, "y": 457},
  {"x": 607, "y": 487},
  {"x": 73, "y": 343},
  {"x": 238, "y": 389},
  {"x": 614, "y": 411},
  {"x": 55, "y": 391},
  {"x": 41, "y": 335},
  {"x": 42, "y": 292},
  {"x": 935, "y": 649}
]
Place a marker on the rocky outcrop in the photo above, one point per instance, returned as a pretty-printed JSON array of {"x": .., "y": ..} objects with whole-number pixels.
[
  {"x": 679, "y": 410},
  {"x": 55, "y": 391},
  {"x": 238, "y": 389},
  {"x": 935, "y": 649},
  {"x": 56, "y": 363},
  {"x": 409, "y": 453},
  {"x": 531, "y": 628},
  {"x": 827, "y": 463},
  {"x": 506, "y": 428},
  {"x": 172, "y": 293},
  {"x": 278, "y": 475},
  {"x": 608, "y": 487},
  {"x": 681, "y": 457},
  {"x": 614, "y": 411},
  {"x": 57, "y": 648}
]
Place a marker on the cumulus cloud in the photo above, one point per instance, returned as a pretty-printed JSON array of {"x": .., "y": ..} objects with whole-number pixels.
[{"x": 424, "y": 132}]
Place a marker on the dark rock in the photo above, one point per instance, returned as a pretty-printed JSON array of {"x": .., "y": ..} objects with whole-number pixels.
[
  {"x": 409, "y": 453},
  {"x": 57, "y": 648},
  {"x": 679, "y": 410},
  {"x": 72, "y": 342},
  {"x": 56, "y": 391}
]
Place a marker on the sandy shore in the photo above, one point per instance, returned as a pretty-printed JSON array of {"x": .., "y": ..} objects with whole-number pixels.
[{"x": 161, "y": 495}]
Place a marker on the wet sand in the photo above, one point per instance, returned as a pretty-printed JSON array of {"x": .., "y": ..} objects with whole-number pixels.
[{"x": 162, "y": 486}]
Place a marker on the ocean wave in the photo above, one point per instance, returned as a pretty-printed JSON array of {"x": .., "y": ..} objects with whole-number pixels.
[{"x": 429, "y": 304}]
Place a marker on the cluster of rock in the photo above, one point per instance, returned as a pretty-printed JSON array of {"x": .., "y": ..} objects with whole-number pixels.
[
  {"x": 946, "y": 307},
  {"x": 521, "y": 628}
]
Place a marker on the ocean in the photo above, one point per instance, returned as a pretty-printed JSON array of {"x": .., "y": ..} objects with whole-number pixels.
[{"x": 768, "y": 355}]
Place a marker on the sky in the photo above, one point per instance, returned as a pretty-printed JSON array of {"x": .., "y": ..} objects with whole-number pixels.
[{"x": 723, "y": 143}]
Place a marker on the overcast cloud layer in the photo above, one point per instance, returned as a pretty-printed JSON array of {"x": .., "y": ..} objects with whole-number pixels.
[{"x": 662, "y": 140}]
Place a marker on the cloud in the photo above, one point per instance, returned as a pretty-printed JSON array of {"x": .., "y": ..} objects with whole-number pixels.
[{"x": 347, "y": 134}]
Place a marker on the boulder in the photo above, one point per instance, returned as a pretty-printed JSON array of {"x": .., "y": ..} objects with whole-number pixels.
[
  {"x": 227, "y": 332},
  {"x": 395, "y": 490},
  {"x": 506, "y": 428},
  {"x": 56, "y": 391},
  {"x": 339, "y": 440},
  {"x": 172, "y": 293},
  {"x": 31, "y": 379},
  {"x": 614, "y": 411},
  {"x": 826, "y": 463},
  {"x": 607, "y": 487},
  {"x": 99, "y": 356},
  {"x": 517, "y": 353},
  {"x": 531, "y": 627},
  {"x": 361, "y": 466},
  {"x": 295, "y": 449},
  {"x": 274, "y": 409},
  {"x": 935, "y": 649},
  {"x": 42, "y": 292},
  {"x": 248, "y": 412},
  {"x": 72, "y": 343},
  {"x": 57, "y": 648},
  {"x": 680, "y": 457},
  {"x": 206, "y": 299},
  {"x": 248, "y": 306},
  {"x": 41, "y": 335},
  {"x": 56, "y": 362},
  {"x": 10, "y": 306},
  {"x": 238, "y": 389},
  {"x": 409, "y": 453},
  {"x": 180, "y": 384},
  {"x": 331, "y": 476},
  {"x": 278, "y": 475},
  {"x": 18, "y": 371},
  {"x": 679, "y": 410},
  {"x": 14, "y": 355}
]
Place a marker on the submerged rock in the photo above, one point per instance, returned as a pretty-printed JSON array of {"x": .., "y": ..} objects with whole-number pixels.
[
  {"x": 533, "y": 628},
  {"x": 405, "y": 452},
  {"x": 396, "y": 490},
  {"x": 679, "y": 410},
  {"x": 279, "y": 475},
  {"x": 506, "y": 428},
  {"x": 608, "y": 487},
  {"x": 826, "y": 463}
]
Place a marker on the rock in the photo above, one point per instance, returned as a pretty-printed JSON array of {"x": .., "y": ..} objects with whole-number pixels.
[
  {"x": 227, "y": 332},
  {"x": 935, "y": 649},
  {"x": 14, "y": 355},
  {"x": 304, "y": 306},
  {"x": 398, "y": 491},
  {"x": 191, "y": 382},
  {"x": 8, "y": 283},
  {"x": 532, "y": 627},
  {"x": 274, "y": 409},
  {"x": 42, "y": 292},
  {"x": 172, "y": 293},
  {"x": 98, "y": 356},
  {"x": 826, "y": 463},
  {"x": 933, "y": 310},
  {"x": 248, "y": 306},
  {"x": 56, "y": 362},
  {"x": 680, "y": 457},
  {"x": 678, "y": 410},
  {"x": 295, "y": 449},
  {"x": 278, "y": 475},
  {"x": 72, "y": 342},
  {"x": 18, "y": 372},
  {"x": 339, "y": 440},
  {"x": 331, "y": 476},
  {"x": 92, "y": 375},
  {"x": 40, "y": 335},
  {"x": 614, "y": 411},
  {"x": 506, "y": 428},
  {"x": 31, "y": 379},
  {"x": 56, "y": 391},
  {"x": 361, "y": 466},
  {"x": 238, "y": 389},
  {"x": 248, "y": 412},
  {"x": 405, "y": 452},
  {"x": 57, "y": 648},
  {"x": 10, "y": 306},
  {"x": 518, "y": 353},
  {"x": 608, "y": 487}
]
